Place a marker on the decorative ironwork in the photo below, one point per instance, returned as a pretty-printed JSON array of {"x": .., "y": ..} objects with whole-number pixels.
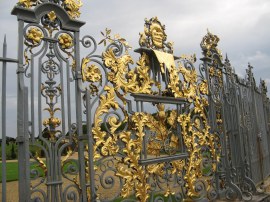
[{"x": 152, "y": 132}]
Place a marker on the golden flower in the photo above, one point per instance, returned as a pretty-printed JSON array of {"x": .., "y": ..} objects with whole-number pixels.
[
  {"x": 65, "y": 41},
  {"x": 52, "y": 16},
  {"x": 28, "y": 3},
  {"x": 34, "y": 35}
]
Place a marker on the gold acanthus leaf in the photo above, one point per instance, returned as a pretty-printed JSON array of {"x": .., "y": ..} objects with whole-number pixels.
[
  {"x": 129, "y": 81},
  {"x": 136, "y": 176},
  {"x": 108, "y": 146},
  {"x": 28, "y": 3},
  {"x": 73, "y": 8}
]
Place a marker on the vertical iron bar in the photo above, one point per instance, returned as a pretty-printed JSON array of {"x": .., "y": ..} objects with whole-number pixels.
[
  {"x": 20, "y": 116},
  {"x": 32, "y": 100},
  {"x": 4, "y": 72},
  {"x": 26, "y": 146},
  {"x": 62, "y": 99},
  {"x": 90, "y": 147},
  {"x": 79, "y": 117}
]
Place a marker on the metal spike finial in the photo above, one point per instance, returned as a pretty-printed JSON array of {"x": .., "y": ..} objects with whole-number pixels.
[{"x": 5, "y": 40}]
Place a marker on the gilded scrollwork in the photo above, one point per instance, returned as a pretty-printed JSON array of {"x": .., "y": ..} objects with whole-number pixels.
[
  {"x": 185, "y": 88},
  {"x": 133, "y": 81},
  {"x": 107, "y": 145}
]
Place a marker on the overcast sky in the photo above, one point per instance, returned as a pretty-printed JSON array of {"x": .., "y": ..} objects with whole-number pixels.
[{"x": 243, "y": 27}]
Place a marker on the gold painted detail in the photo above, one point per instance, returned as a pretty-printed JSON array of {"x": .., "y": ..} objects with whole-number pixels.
[
  {"x": 191, "y": 58},
  {"x": 52, "y": 122},
  {"x": 28, "y": 3},
  {"x": 51, "y": 23},
  {"x": 33, "y": 39},
  {"x": 196, "y": 135},
  {"x": 188, "y": 86},
  {"x": 154, "y": 36},
  {"x": 52, "y": 16},
  {"x": 135, "y": 176},
  {"x": 116, "y": 38},
  {"x": 92, "y": 74},
  {"x": 34, "y": 36},
  {"x": 133, "y": 81},
  {"x": 163, "y": 124},
  {"x": 209, "y": 45},
  {"x": 72, "y": 7},
  {"x": 165, "y": 59},
  {"x": 194, "y": 123},
  {"x": 65, "y": 41},
  {"x": 104, "y": 141},
  {"x": 41, "y": 164}
]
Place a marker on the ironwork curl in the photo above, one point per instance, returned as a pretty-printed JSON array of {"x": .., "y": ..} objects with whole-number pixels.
[
  {"x": 73, "y": 195},
  {"x": 38, "y": 198}
]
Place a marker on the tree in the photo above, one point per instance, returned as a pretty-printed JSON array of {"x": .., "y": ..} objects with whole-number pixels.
[{"x": 13, "y": 154}]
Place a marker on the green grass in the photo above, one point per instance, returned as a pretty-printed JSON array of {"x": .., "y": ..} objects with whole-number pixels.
[{"x": 12, "y": 171}]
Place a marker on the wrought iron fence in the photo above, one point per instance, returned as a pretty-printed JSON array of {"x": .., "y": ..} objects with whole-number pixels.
[{"x": 95, "y": 129}]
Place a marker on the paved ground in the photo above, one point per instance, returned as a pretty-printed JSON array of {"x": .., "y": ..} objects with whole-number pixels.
[{"x": 12, "y": 189}]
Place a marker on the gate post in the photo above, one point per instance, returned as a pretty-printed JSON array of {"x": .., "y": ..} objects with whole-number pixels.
[{"x": 23, "y": 152}]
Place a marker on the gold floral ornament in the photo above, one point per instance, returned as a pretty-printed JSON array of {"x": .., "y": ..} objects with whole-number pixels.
[
  {"x": 209, "y": 45},
  {"x": 65, "y": 41},
  {"x": 92, "y": 74},
  {"x": 73, "y": 8},
  {"x": 52, "y": 16},
  {"x": 28, "y": 3},
  {"x": 34, "y": 36}
]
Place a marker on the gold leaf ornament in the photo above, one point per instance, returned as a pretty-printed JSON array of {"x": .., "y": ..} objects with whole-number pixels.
[
  {"x": 28, "y": 3},
  {"x": 133, "y": 173},
  {"x": 73, "y": 8},
  {"x": 107, "y": 144}
]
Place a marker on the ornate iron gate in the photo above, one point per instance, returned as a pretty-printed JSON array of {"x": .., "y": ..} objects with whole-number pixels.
[{"x": 95, "y": 129}]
